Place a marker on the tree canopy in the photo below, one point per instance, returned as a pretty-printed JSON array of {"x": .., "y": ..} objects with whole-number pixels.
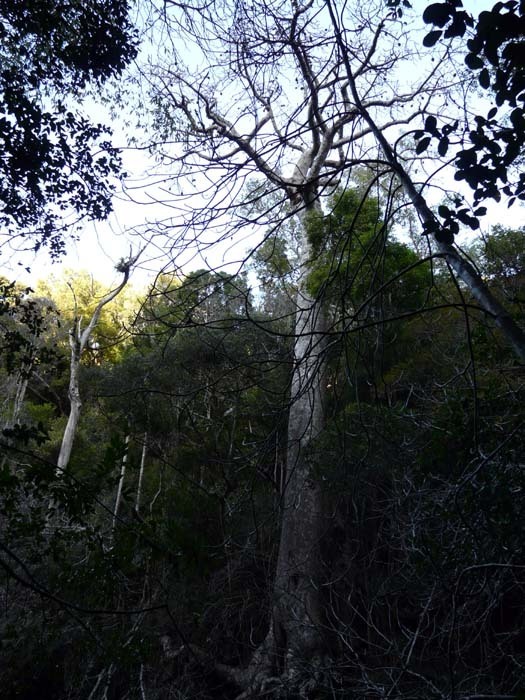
[
  {"x": 292, "y": 468},
  {"x": 54, "y": 159}
]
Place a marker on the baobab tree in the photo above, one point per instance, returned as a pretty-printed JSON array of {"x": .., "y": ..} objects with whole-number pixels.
[{"x": 295, "y": 96}]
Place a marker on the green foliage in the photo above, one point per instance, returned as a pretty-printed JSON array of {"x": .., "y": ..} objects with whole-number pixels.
[
  {"x": 54, "y": 159},
  {"x": 357, "y": 264},
  {"x": 501, "y": 255},
  {"x": 412, "y": 504},
  {"x": 272, "y": 259},
  {"x": 23, "y": 320},
  {"x": 500, "y": 258},
  {"x": 75, "y": 295}
]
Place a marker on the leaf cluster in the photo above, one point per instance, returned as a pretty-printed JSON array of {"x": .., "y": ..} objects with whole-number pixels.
[
  {"x": 355, "y": 260},
  {"x": 23, "y": 320},
  {"x": 494, "y": 51},
  {"x": 54, "y": 159}
]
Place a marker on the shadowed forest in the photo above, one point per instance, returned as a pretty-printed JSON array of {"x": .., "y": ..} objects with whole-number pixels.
[{"x": 292, "y": 468}]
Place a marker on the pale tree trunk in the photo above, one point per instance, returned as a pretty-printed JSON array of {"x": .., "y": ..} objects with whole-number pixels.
[
  {"x": 294, "y": 641},
  {"x": 20, "y": 394},
  {"x": 122, "y": 476},
  {"x": 78, "y": 340},
  {"x": 296, "y": 620},
  {"x": 21, "y": 384},
  {"x": 461, "y": 266},
  {"x": 18, "y": 401},
  {"x": 20, "y": 390},
  {"x": 297, "y": 609},
  {"x": 74, "y": 398},
  {"x": 141, "y": 471}
]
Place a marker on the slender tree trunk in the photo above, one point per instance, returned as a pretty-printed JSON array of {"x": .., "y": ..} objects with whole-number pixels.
[
  {"x": 18, "y": 401},
  {"x": 460, "y": 265},
  {"x": 78, "y": 340},
  {"x": 120, "y": 484},
  {"x": 464, "y": 269},
  {"x": 21, "y": 384},
  {"x": 74, "y": 399},
  {"x": 21, "y": 389},
  {"x": 141, "y": 471}
]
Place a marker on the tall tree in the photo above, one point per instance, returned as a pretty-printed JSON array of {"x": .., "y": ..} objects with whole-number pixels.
[{"x": 278, "y": 98}]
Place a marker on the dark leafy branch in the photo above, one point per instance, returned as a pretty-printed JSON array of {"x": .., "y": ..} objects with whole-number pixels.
[
  {"x": 53, "y": 159},
  {"x": 491, "y": 148}
]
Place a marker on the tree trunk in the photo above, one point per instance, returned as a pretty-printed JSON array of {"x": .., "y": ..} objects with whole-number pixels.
[
  {"x": 78, "y": 340},
  {"x": 294, "y": 641},
  {"x": 120, "y": 484},
  {"x": 74, "y": 400},
  {"x": 20, "y": 394},
  {"x": 297, "y": 610},
  {"x": 141, "y": 471},
  {"x": 21, "y": 384}
]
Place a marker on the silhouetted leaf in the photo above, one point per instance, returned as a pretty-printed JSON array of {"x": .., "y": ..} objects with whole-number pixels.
[
  {"x": 438, "y": 13},
  {"x": 423, "y": 145},
  {"x": 431, "y": 124},
  {"x": 432, "y": 38},
  {"x": 484, "y": 78},
  {"x": 443, "y": 146},
  {"x": 473, "y": 62}
]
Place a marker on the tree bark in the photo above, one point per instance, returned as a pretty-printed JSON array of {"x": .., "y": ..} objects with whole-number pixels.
[
  {"x": 20, "y": 394},
  {"x": 294, "y": 642},
  {"x": 75, "y": 401},
  {"x": 141, "y": 471},
  {"x": 297, "y": 609}
]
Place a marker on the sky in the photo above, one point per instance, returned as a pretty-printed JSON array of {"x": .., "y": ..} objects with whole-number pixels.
[{"x": 103, "y": 244}]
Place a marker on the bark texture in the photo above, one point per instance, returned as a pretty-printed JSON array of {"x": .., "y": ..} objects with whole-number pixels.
[
  {"x": 294, "y": 643},
  {"x": 297, "y": 609}
]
